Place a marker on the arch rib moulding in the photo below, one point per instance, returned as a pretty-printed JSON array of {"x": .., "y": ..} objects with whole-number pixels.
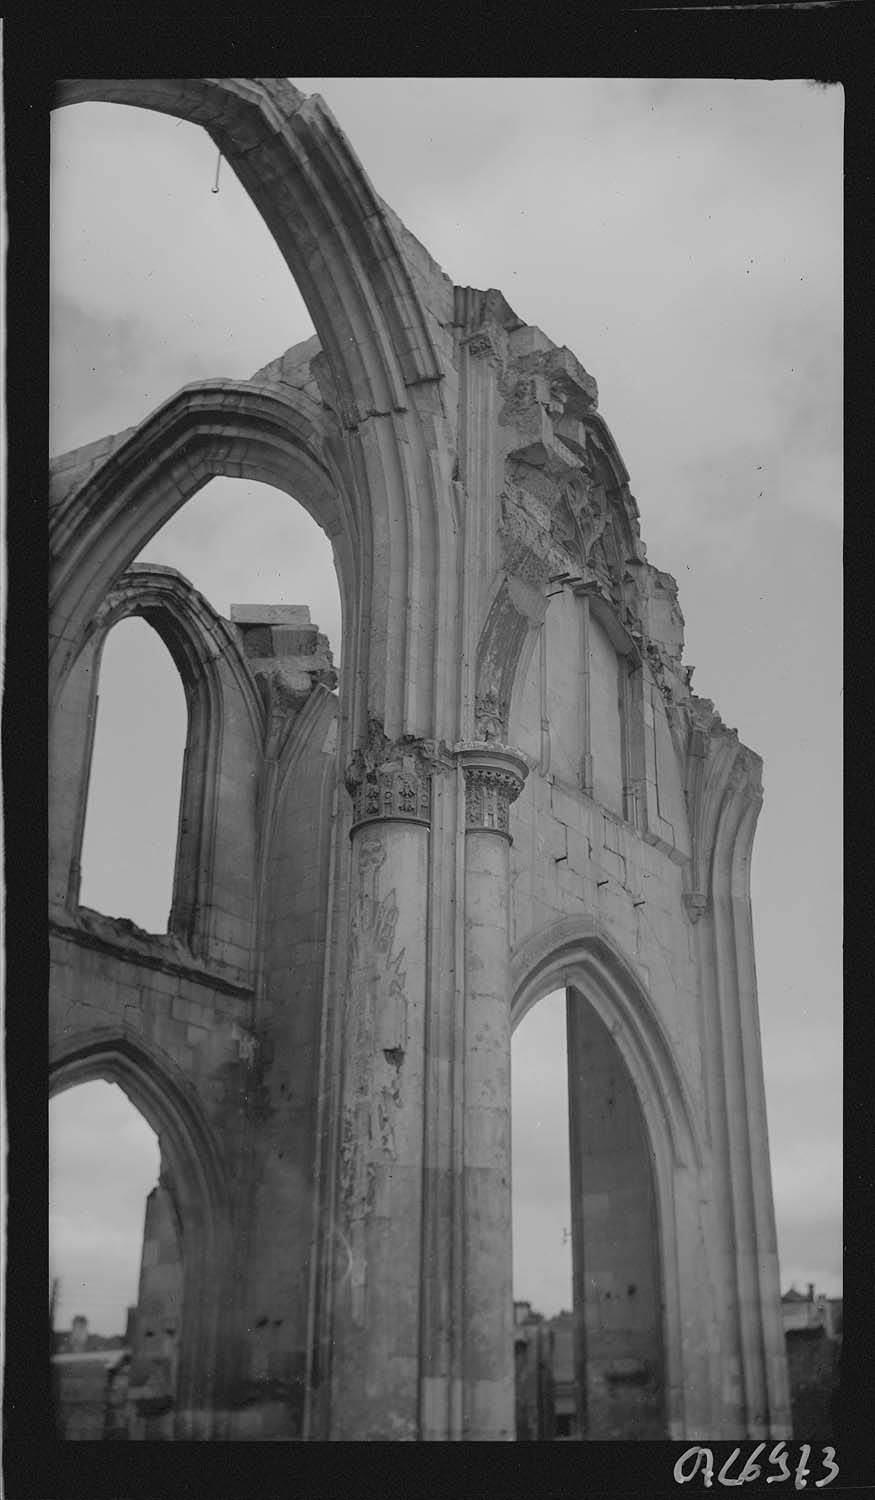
[{"x": 329, "y": 224}]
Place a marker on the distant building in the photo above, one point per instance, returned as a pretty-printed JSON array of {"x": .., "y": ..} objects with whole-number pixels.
[
  {"x": 546, "y": 1389},
  {"x": 78, "y": 1339},
  {"x": 83, "y": 1371},
  {"x": 549, "y": 1402},
  {"x": 533, "y": 1365},
  {"x": 813, "y": 1335},
  {"x": 805, "y": 1310},
  {"x": 125, "y": 1386},
  {"x": 566, "y": 1414}
]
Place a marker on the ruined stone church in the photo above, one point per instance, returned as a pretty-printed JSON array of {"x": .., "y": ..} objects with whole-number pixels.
[{"x": 511, "y": 790}]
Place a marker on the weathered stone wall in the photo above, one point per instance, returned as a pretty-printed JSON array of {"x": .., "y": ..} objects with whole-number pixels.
[{"x": 292, "y": 951}]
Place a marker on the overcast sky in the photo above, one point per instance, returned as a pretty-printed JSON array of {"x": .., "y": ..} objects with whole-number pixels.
[{"x": 684, "y": 239}]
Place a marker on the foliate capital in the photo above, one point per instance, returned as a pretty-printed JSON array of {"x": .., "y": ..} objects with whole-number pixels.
[
  {"x": 391, "y": 779},
  {"x": 494, "y": 778}
]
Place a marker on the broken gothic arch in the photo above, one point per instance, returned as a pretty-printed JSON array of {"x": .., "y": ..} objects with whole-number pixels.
[
  {"x": 341, "y": 244},
  {"x": 331, "y": 228},
  {"x": 166, "y": 1100},
  {"x": 104, "y": 516}
]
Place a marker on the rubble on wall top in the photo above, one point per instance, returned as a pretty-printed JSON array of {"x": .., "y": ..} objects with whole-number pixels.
[
  {"x": 157, "y": 568},
  {"x": 293, "y": 366},
  {"x": 472, "y": 308},
  {"x": 287, "y": 654},
  {"x": 270, "y": 614}
]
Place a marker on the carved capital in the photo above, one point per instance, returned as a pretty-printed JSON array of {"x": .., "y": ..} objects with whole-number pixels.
[
  {"x": 494, "y": 778},
  {"x": 392, "y": 779},
  {"x": 398, "y": 788}
]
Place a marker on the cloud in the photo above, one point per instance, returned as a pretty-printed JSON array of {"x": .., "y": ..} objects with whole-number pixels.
[
  {"x": 156, "y": 281},
  {"x": 109, "y": 372}
]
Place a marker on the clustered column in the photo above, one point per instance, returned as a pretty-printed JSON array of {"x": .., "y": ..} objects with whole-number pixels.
[{"x": 494, "y": 777}]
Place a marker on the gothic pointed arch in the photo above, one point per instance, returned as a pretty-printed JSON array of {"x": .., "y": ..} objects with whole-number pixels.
[
  {"x": 106, "y": 512},
  {"x": 330, "y": 226},
  {"x": 225, "y": 720},
  {"x": 217, "y": 683},
  {"x": 377, "y": 373},
  {"x": 577, "y": 953},
  {"x": 169, "y": 1104}
]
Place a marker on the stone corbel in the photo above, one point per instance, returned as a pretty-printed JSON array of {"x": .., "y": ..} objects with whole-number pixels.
[
  {"x": 695, "y": 903},
  {"x": 494, "y": 778}
]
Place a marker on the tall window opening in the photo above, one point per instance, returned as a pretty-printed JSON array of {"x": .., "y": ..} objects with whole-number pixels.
[
  {"x": 131, "y": 823},
  {"x": 115, "y": 1267},
  {"x": 546, "y": 1403},
  {"x": 587, "y": 1301}
]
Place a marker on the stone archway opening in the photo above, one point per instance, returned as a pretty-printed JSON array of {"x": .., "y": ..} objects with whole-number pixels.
[
  {"x": 132, "y": 811},
  {"x": 268, "y": 569},
  {"x": 546, "y": 1393},
  {"x": 173, "y": 1383},
  {"x": 594, "y": 1368},
  {"x": 246, "y": 541},
  {"x": 104, "y": 1177},
  {"x": 96, "y": 1227}
]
